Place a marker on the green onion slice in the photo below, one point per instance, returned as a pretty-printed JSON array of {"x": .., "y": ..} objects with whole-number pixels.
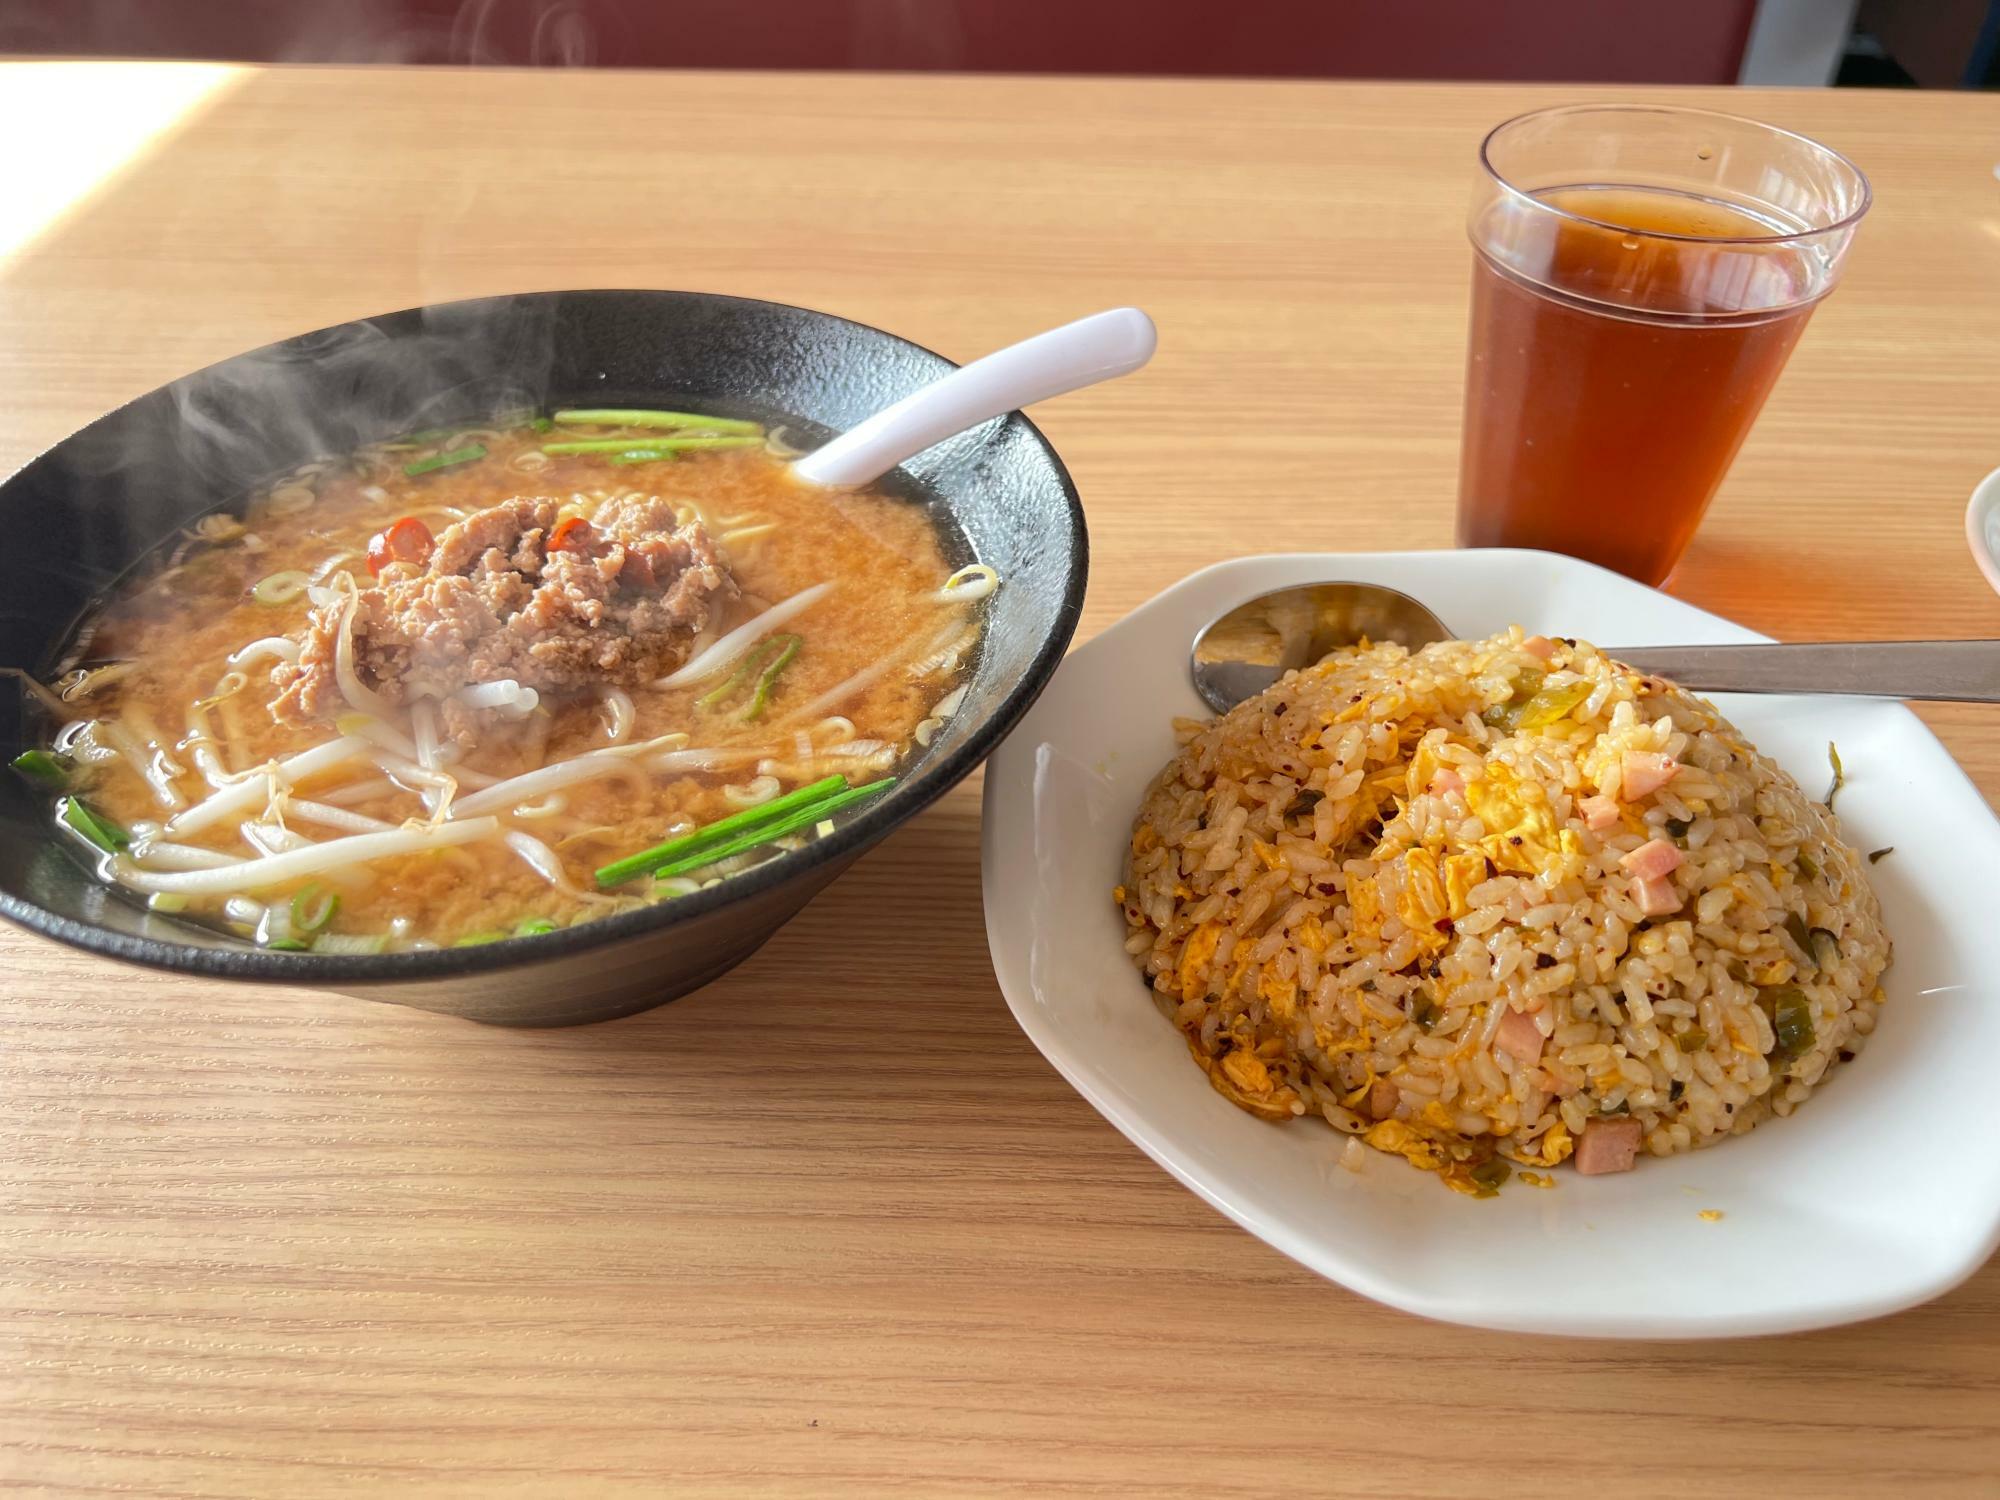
[
  {"x": 313, "y": 907},
  {"x": 94, "y": 826},
  {"x": 534, "y": 927},
  {"x": 626, "y": 417},
  {"x": 351, "y": 943},
  {"x": 46, "y": 768},
  {"x": 750, "y": 663},
  {"x": 673, "y": 444},
  {"x": 465, "y": 455},
  {"x": 769, "y": 679}
]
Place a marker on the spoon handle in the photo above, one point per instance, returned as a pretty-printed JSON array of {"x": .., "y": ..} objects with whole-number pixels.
[
  {"x": 1077, "y": 354},
  {"x": 1940, "y": 671}
]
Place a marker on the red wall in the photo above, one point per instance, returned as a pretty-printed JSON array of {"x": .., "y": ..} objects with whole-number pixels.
[{"x": 1679, "y": 41}]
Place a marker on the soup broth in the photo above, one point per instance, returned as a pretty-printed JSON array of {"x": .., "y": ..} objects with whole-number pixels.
[{"x": 819, "y": 642}]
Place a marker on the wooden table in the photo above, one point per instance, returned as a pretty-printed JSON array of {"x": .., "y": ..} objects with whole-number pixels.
[{"x": 832, "y": 1226}]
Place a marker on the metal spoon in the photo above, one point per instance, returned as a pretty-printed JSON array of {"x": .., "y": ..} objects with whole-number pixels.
[{"x": 1256, "y": 643}]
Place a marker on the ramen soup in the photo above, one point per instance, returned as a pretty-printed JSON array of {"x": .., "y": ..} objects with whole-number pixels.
[{"x": 485, "y": 683}]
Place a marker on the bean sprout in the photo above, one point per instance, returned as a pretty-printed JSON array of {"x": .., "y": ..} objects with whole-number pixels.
[
  {"x": 334, "y": 854},
  {"x": 543, "y": 860},
  {"x": 968, "y": 585},
  {"x": 271, "y": 645},
  {"x": 157, "y": 771},
  {"x": 623, "y": 715},
  {"x": 336, "y": 562},
  {"x": 352, "y": 689},
  {"x": 552, "y": 806},
  {"x": 534, "y": 784},
  {"x": 334, "y": 817},
  {"x": 739, "y": 640},
  {"x": 78, "y": 740},
  {"x": 375, "y": 731},
  {"x": 85, "y": 682},
  {"x": 507, "y": 696},
  {"x": 243, "y": 909},
  {"x": 165, "y": 856},
  {"x": 360, "y": 791},
  {"x": 242, "y": 795},
  {"x": 753, "y": 794}
]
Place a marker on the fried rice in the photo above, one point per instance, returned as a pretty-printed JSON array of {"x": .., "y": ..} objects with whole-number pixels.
[{"x": 1500, "y": 901}]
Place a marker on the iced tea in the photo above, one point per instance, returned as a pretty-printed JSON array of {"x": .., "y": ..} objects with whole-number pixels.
[{"x": 1623, "y": 340}]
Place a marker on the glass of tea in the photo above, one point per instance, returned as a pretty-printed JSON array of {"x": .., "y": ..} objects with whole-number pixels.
[{"x": 1640, "y": 274}]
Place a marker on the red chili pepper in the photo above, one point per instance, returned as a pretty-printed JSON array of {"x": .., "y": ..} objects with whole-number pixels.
[
  {"x": 572, "y": 534},
  {"x": 409, "y": 540}
]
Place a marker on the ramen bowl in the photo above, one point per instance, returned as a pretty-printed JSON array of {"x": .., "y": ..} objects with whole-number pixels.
[{"x": 104, "y": 499}]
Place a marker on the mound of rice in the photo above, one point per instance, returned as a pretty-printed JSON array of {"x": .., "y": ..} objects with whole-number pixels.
[{"x": 1499, "y": 900}]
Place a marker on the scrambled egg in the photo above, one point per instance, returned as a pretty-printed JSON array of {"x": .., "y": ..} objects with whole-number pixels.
[
  {"x": 1557, "y": 1145},
  {"x": 1364, "y": 913},
  {"x": 1522, "y": 833},
  {"x": 1423, "y": 903},
  {"x": 1243, "y": 1079},
  {"x": 1196, "y": 953},
  {"x": 1461, "y": 873},
  {"x": 1399, "y": 1139},
  {"x": 1280, "y": 993}
]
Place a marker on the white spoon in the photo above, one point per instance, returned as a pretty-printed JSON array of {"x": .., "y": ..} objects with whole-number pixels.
[{"x": 1101, "y": 347}]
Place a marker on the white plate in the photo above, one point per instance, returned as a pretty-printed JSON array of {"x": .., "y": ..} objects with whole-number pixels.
[{"x": 1882, "y": 1191}]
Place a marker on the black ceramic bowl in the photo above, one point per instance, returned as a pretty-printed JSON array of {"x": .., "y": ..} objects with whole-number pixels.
[{"x": 89, "y": 508}]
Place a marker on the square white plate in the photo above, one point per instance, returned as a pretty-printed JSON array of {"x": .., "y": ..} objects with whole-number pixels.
[{"x": 1881, "y": 1191}]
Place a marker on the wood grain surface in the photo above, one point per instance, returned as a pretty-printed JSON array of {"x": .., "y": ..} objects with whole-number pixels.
[{"x": 831, "y": 1226}]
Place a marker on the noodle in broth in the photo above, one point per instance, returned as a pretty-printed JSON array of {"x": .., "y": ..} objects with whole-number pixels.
[{"x": 295, "y": 733}]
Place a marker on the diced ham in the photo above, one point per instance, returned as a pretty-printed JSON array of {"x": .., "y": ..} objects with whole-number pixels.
[
  {"x": 1644, "y": 772},
  {"x": 1383, "y": 1099},
  {"x": 1519, "y": 1037},
  {"x": 1651, "y": 861},
  {"x": 1446, "y": 782},
  {"x": 1656, "y": 897},
  {"x": 1539, "y": 645},
  {"x": 1607, "y": 1146},
  {"x": 1599, "y": 813}
]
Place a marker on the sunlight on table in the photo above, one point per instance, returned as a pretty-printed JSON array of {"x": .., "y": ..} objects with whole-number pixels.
[{"x": 78, "y": 124}]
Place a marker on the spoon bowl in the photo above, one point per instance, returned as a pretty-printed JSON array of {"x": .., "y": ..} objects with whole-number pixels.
[{"x": 1247, "y": 649}]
